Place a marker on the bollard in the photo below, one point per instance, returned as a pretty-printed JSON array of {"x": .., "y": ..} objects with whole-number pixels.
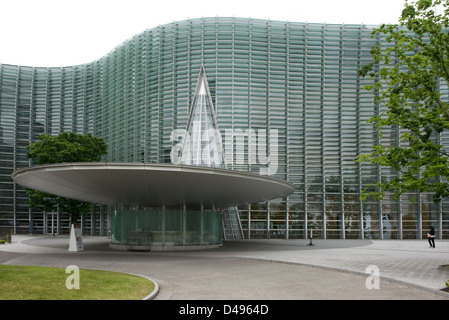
[{"x": 311, "y": 238}]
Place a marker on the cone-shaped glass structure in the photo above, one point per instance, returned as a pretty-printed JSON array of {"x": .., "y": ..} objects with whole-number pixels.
[{"x": 202, "y": 143}]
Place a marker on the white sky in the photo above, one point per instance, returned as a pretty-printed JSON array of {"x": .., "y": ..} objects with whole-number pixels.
[{"x": 71, "y": 32}]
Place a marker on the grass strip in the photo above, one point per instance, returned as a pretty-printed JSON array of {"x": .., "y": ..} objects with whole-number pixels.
[{"x": 49, "y": 283}]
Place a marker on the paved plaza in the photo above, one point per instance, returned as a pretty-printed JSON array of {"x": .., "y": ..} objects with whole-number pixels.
[{"x": 261, "y": 269}]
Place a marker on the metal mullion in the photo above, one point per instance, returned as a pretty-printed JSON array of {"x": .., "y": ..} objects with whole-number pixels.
[{"x": 14, "y": 164}]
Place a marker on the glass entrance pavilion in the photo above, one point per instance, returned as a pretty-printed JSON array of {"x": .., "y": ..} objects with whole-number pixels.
[{"x": 171, "y": 206}]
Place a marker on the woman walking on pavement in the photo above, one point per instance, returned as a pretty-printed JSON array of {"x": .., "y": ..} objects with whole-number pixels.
[{"x": 431, "y": 237}]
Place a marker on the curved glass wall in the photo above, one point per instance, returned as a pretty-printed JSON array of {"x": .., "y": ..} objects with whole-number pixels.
[
  {"x": 166, "y": 227},
  {"x": 287, "y": 100}
]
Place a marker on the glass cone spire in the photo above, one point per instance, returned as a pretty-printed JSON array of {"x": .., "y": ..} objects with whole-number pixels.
[
  {"x": 202, "y": 143},
  {"x": 203, "y": 147}
]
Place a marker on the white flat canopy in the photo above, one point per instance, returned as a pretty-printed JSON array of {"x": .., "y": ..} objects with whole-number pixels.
[{"x": 151, "y": 184}]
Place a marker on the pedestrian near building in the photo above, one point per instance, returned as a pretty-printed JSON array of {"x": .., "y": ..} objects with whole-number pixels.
[{"x": 431, "y": 237}]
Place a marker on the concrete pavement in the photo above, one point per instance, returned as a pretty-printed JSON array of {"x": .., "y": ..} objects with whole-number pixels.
[{"x": 261, "y": 269}]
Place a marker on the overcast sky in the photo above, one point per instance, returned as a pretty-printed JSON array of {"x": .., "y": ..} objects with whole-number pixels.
[{"x": 71, "y": 32}]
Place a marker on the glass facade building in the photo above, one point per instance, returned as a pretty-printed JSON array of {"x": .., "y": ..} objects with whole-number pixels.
[{"x": 287, "y": 100}]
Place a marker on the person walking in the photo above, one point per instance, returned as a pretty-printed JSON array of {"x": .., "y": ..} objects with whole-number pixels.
[{"x": 431, "y": 237}]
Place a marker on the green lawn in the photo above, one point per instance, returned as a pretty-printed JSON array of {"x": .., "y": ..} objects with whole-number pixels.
[{"x": 46, "y": 283}]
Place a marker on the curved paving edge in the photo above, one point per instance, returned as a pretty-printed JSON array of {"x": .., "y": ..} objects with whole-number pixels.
[
  {"x": 441, "y": 292},
  {"x": 153, "y": 293}
]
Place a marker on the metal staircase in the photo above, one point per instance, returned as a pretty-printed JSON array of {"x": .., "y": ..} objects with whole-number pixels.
[{"x": 232, "y": 228}]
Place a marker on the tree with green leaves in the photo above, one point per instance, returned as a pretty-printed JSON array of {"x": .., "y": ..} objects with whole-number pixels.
[
  {"x": 65, "y": 147},
  {"x": 409, "y": 73}
]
